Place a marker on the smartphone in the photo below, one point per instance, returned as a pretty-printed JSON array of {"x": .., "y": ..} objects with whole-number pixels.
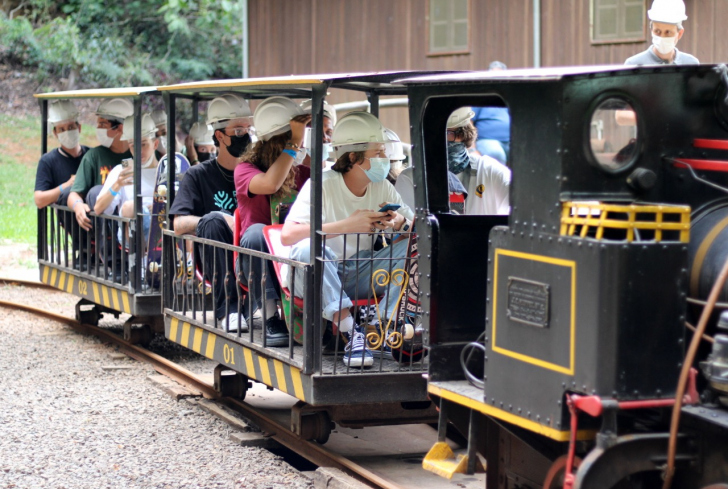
[
  {"x": 127, "y": 163},
  {"x": 390, "y": 207}
]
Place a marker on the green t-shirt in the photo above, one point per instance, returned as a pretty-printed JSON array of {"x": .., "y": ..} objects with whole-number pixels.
[{"x": 95, "y": 166}]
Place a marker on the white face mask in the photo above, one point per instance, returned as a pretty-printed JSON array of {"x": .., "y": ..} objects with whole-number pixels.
[
  {"x": 162, "y": 143},
  {"x": 104, "y": 139},
  {"x": 664, "y": 45},
  {"x": 69, "y": 139}
]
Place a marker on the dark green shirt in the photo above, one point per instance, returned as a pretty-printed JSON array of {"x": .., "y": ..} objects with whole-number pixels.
[{"x": 95, "y": 166}]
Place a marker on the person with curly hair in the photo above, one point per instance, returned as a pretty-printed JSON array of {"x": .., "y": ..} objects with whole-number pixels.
[{"x": 271, "y": 170}]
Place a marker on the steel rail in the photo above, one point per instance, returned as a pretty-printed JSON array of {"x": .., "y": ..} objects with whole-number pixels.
[{"x": 313, "y": 452}]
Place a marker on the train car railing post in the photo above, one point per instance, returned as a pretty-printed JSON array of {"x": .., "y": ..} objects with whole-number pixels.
[
  {"x": 42, "y": 223},
  {"x": 138, "y": 262},
  {"x": 312, "y": 336}
]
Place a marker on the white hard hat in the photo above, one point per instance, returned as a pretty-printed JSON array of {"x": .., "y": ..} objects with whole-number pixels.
[
  {"x": 460, "y": 118},
  {"x": 667, "y": 11},
  {"x": 356, "y": 131},
  {"x": 62, "y": 110},
  {"x": 273, "y": 116},
  {"x": 227, "y": 107},
  {"x": 159, "y": 117},
  {"x": 149, "y": 129},
  {"x": 393, "y": 148},
  {"x": 115, "y": 109},
  {"x": 329, "y": 110},
  {"x": 202, "y": 133}
]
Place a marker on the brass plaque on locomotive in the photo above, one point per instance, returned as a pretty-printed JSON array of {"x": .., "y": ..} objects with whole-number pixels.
[{"x": 528, "y": 302}]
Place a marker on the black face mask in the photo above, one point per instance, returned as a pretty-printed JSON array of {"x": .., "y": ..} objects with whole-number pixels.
[
  {"x": 202, "y": 156},
  {"x": 238, "y": 145}
]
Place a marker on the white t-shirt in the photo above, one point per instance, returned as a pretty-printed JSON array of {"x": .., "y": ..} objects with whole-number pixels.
[
  {"x": 487, "y": 182},
  {"x": 149, "y": 179},
  {"x": 405, "y": 187},
  {"x": 339, "y": 203}
]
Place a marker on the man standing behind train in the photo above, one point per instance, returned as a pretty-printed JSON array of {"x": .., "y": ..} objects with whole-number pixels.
[
  {"x": 666, "y": 18},
  {"x": 98, "y": 162},
  {"x": 206, "y": 201},
  {"x": 57, "y": 168}
]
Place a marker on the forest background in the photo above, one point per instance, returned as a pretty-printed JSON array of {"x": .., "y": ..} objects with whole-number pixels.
[{"x": 49, "y": 45}]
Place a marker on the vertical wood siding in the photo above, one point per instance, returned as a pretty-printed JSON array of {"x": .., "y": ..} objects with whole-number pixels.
[{"x": 347, "y": 36}]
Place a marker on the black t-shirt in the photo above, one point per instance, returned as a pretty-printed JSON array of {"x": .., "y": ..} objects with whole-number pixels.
[
  {"x": 56, "y": 167},
  {"x": 205, "y": 188}
]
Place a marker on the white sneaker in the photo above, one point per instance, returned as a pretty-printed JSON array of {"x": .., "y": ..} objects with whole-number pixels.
[{"x": 234, "y": 323}]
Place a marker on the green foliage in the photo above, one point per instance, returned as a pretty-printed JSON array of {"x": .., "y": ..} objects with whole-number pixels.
[{"x": 126, "y": 43}]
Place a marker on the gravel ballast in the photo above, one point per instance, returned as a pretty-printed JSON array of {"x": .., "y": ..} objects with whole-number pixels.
[{"x": 75, "y": 415}]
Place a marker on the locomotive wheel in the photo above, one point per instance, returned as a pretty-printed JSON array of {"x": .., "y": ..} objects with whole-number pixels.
[
  {"x": 316, "y": 426},
  {"x": 555, "y": 476}
]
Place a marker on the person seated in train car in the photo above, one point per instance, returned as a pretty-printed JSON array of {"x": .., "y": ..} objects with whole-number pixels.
[
  {"x": 199, "y": 143},
  {"x": 487, "y": 180},
  {"x": 329, "y": 123},
  {"x": 98, "y": 162},
  {"x": 159, "y": 117},
  {"x": 395, "y": 153},
  {"x": 353, "y": 190},
  {"x": 271, "y": 171},
  {"x": 117, "y": 195},
  {"x": 666, "y": 25},
  {"x": 206, "y": 201},
  {"x": 57, "y": 168}
]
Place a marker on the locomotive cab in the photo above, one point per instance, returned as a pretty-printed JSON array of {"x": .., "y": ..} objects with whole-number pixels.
[{"x": 582, "y": 293}]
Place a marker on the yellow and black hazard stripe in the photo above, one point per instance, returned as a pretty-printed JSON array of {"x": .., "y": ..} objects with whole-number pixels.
[
  {"x": 97, "y": 293},
  {"x": 249, "y": 362}
]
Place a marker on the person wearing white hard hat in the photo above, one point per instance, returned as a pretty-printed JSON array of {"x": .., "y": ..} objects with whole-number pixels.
[
  {"x": 206, "y": 201},
  {"x": 271, "y": 172},
  {"x": 98, "y": 162},
  {"x": 329, "y": 121},
  {"x": 199, "y": 143},
  {"x": 395, "y": 153},
  {"x": 485, "y": 179},
  {"x": 117, "y": 195},
  {"x": 405, "y": 184},
  {"x": 353, "y": 191},
  {"x": 666, "y": 25},
  {"x": 57, "y": 168}
]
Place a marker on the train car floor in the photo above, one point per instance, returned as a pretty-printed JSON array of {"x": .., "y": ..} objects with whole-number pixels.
[
  {"x": 331, "y": 362},
  {"x": 394, "y": 453}
]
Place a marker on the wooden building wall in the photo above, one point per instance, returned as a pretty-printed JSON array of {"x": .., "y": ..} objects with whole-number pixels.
[{"x": 339, "y": 36}]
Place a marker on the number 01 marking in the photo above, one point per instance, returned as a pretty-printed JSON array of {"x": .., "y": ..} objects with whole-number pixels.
[
  {"x": 228, "y": 355},
  {"x": 83, "y": 287}
]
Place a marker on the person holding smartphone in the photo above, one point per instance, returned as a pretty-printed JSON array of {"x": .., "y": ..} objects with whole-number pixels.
[
  {"x": 358, "y": 201},
  {"x": 117, "y": 195}
]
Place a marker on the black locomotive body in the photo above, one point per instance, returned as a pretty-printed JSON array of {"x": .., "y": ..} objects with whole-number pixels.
[{"x": 558, "y": 337}]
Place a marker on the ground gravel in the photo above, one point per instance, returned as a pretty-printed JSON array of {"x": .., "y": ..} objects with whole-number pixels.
[{"x": 73, "y": 415}]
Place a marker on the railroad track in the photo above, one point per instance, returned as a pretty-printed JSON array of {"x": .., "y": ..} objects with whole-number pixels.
[{"x": 311, "y": 451}]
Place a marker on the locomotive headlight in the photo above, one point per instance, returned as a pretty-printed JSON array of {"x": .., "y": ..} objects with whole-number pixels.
[{"x": 613, "y": 138}]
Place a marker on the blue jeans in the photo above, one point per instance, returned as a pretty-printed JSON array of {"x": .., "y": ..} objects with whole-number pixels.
[
  {"x": 146, "y": 224},
  {"x": 352, "y": 278},
  {"x": 493, "y": 148}
]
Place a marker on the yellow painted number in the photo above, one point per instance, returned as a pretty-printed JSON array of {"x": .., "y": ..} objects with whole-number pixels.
[
  {"x": 83, "y": 287},
  {"x": 228, "y": 355}
]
